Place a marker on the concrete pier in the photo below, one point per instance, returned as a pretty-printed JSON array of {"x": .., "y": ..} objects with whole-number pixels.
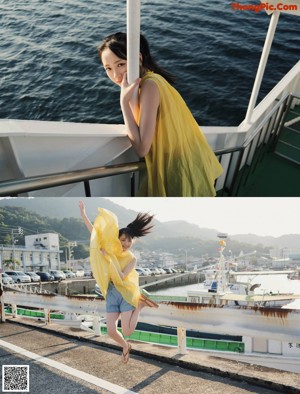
[
  {"x": 151, "y": 283},
  {"x": 84, "y": 363}
]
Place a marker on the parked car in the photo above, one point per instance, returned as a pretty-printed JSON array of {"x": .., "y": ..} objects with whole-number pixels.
[
  {"x": 58, "y": 275},
  {"x": 140, "y": 271},
  {"x": 168, "y": 270},
  {"x": 33, "y": 276},
  {"x": 6, "y": 279},
  {"x": 80, "y": 273},
  {"x": 154, "y": 271},
  {"x": 45, "y": 276},
  {"x": 147, "y": 271},
  {"x": 18, "y": 276},
  {"x": 161, "y": 270},
  {"x": 88, "y": 274},
  {"x": 69, "y": 274}
]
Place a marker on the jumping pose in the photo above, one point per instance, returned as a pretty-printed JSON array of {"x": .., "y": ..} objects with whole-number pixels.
[
  {"x": 161, "y": 128},
  {"x": 113, "y": 267}
]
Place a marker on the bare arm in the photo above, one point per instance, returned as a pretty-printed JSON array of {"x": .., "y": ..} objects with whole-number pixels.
[
  {"x": 140, "y": 136},
  {"x": 86, "y": 220}
]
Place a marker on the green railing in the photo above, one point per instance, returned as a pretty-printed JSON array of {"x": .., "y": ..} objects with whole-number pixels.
[
  {"x": 147, "y": 336},
  {"x": 191, "y": 343},
  {"x": 34, "y": 313}
]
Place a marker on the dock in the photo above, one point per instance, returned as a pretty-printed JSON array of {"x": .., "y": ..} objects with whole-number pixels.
[{"x": 63, "y": 359}]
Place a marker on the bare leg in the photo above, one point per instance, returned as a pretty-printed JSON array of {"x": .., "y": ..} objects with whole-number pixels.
[
  {"x": 111, "y": 322},
  {"x": 129, "y": 319}
]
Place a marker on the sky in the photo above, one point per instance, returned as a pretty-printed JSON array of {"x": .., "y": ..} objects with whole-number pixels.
[{"x": 260, "y": 216}]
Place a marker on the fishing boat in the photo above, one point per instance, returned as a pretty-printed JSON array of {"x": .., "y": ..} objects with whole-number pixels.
[
  {"x": 222, "y": 288},
  {"x": 40, "y": 158}
]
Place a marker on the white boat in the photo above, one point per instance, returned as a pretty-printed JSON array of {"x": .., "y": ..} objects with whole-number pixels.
[
  {"x": 76, "y": 159},
  {"x": 221, "y": 287},
  {"x": 295, "y": 275}
]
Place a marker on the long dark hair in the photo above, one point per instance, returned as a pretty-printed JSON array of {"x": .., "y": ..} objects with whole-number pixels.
[
  {"x": 139, "y": 227},
  {"x": 117, "y": 43}
]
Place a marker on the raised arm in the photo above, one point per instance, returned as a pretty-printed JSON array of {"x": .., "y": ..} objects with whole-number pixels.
[
  {"x": 140, "y": 136},
  {"x": 86, "y": 220}
]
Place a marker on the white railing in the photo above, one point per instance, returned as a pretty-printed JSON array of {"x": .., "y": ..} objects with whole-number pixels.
[
  {"x": 70, "y": 147},
  {"x": 254, "y": 322},
  {"x": 288, "y": 85}
]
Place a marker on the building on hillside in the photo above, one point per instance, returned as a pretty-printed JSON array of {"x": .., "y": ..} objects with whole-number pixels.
[
  {"x": 48, "y": 241},
  {"x": 40, "y": 253}
]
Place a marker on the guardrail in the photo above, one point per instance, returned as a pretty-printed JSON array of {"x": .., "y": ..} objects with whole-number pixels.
[
  {"x": 238, "y": 162},
  {"x": 243, "y": 160},
  {"x": 14, "y": 187},
  {"x": 253, "y": 322}
]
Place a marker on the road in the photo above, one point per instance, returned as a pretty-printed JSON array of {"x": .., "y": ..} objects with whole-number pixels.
[{"x": 59, "y": 364}]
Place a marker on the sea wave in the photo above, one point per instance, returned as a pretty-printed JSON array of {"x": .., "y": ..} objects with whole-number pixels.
[{"x": 50, "y": 69}]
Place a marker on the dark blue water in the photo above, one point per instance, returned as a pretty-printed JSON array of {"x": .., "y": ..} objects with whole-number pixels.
[{"x": 50, "y": 69}]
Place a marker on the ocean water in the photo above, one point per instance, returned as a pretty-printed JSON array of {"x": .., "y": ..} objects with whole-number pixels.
[{"x": 49, "y": 68}]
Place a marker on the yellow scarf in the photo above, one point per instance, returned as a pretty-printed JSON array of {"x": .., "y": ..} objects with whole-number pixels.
[{"x": 108, "y": 259}]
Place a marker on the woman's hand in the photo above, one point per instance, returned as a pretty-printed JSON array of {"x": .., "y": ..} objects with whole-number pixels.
[
  {"x": 127, "y": 91},
  {"x": 84, "y": 216},
  {"x": 82, "y": 207}
]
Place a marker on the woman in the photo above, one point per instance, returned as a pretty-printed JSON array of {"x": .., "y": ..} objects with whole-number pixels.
[
  {"x": 161, "y": 128},
  {"x": 113, "y": 267}
]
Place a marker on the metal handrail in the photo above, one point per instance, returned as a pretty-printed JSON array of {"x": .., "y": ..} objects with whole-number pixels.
[
  {"x": 256, "y": 131},
  {"x": 17, "y": 186},
  {"x": 283, "y": 102}
]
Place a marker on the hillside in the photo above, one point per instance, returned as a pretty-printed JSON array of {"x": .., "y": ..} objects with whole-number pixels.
[
  {"x": 62, "y": 215},
  {"x": 178, "y": 237},
  {"x": 290, "y": 241}
]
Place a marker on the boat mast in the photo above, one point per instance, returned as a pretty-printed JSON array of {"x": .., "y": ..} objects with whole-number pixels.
[{"x": 222, "y": 282}]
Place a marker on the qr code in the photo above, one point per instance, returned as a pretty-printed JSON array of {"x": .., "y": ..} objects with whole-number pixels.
[{"x": 15, "y": 378}]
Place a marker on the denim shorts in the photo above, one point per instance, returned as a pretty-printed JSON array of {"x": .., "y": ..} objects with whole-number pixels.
[{"x": 115, "y": 302}]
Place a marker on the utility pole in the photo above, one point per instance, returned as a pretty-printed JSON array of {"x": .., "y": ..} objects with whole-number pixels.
[
  {"x": 71, "y": 245},
  {"x": 18, "y": 231}
]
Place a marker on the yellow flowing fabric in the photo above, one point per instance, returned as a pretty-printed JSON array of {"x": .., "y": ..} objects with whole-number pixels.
[
  {"x": 108, "y": 259},
  {"x": 180, "y": 162}
]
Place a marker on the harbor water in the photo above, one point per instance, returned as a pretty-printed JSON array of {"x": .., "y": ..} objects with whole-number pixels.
[{"x": 50, "y": 68}]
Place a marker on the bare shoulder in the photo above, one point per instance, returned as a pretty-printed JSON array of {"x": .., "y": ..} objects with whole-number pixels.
[
  {"x": 149, "y": 85},
  {"x": 149, "y": 89}
]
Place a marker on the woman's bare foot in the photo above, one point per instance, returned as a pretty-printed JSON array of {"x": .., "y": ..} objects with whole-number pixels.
[{"x": 126, "y": 353}]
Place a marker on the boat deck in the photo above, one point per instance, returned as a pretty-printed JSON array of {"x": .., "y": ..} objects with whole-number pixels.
[
  {"x": 277, "y": 172},
  {"x": 274, "y": 176}
]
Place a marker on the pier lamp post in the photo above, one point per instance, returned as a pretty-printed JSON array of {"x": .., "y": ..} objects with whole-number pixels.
[
  {"x": 284, "y": 256},
  {"x": 186, "y": 258}
]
